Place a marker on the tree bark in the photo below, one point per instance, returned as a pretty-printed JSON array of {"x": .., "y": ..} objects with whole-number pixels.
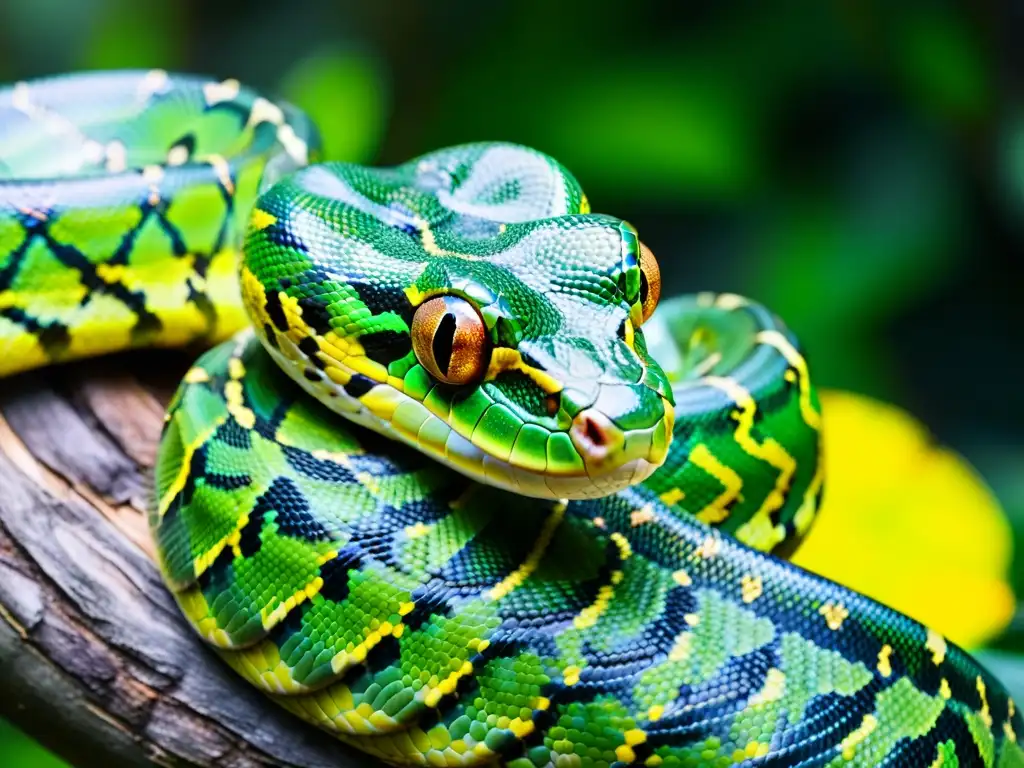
[{"x": 96, "y": 661}]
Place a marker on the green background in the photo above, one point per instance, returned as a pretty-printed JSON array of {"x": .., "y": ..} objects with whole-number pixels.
[{"x": 857, "y": 166}]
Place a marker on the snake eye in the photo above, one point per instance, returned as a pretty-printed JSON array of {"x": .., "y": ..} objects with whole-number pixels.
[
  {"x": 450, "y": 340},
  {"x": 650, "y": 282}
]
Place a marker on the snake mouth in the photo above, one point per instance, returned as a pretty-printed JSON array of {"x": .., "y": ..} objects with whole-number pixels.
[
  {"x": 609, "y": 460},
  {"x": 592, "y": 458}
]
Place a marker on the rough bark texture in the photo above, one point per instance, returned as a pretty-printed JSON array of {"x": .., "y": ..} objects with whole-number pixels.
[{"x": 95, "y": 660}]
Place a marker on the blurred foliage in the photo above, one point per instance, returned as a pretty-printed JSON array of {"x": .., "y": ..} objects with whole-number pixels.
[
  {"x": 857, "y": 166},
  {"x": 892, "y": 524},
  {"x": 325, "y": 80},
  {"x": 19, "y": 751}
]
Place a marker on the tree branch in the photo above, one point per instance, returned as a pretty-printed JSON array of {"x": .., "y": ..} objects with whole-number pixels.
[{"x": 96, "y": 661}]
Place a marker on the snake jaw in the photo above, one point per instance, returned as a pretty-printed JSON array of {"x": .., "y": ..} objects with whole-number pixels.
[{"x": 607, "y": 457}]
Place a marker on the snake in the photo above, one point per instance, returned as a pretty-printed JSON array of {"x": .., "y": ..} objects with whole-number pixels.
[{"x": 451, "y": 482}]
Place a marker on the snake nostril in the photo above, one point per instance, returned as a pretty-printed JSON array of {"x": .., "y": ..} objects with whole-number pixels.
[
  {"x": 594, "y": 432},
  {"x": 596, "y": 438}
]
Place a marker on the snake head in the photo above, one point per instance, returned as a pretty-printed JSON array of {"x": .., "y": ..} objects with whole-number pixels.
[{"x": 468, "y": 304}]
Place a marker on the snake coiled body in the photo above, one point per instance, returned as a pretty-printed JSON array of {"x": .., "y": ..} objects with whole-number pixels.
[{"x": 493, "y": 529}]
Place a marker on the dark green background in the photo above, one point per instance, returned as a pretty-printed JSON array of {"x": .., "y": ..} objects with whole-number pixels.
[{"x": 858, "y": 166}]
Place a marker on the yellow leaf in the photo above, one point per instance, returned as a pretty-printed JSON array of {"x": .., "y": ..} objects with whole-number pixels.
[{"x": 909, "y": 523}]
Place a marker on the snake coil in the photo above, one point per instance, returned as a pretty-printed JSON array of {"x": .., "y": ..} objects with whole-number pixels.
[{"x": 499, "y": 531}]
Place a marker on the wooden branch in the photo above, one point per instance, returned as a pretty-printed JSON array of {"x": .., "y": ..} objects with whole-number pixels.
[{"x": 96, "y": 661}]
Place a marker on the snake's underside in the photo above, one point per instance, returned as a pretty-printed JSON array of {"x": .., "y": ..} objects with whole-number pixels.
[{"x": 391, "y": 554}]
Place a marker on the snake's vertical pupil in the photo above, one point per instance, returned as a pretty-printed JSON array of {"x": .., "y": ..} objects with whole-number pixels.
[
  {"x": 450, "y": 339},
  {"x": 444, "y": 339}
]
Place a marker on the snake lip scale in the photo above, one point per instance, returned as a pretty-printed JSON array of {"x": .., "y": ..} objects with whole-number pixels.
[{"x": 452, "y": 482}]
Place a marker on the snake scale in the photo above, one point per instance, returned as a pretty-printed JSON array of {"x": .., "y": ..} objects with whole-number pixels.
[{"x": 492, "y": 529}]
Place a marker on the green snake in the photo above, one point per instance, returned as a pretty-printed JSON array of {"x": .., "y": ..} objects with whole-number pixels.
[{"x": 493, "y": 529}]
